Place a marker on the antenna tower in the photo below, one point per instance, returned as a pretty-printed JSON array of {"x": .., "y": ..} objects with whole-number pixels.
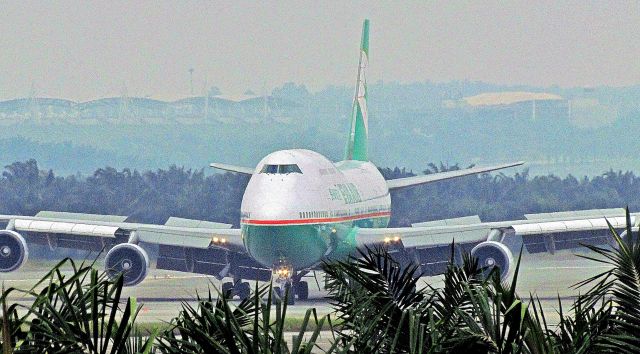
[{"x": 191, "y": 80}]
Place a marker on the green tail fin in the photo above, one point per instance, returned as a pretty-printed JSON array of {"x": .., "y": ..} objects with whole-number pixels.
[{"x": 358, "y": 135}]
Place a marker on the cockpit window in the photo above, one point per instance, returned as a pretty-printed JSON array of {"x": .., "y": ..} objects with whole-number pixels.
[
  {"x": 280, "y": 169},
  {"x": 269, "y": 169},
  {"x": 289, "y": 169}
]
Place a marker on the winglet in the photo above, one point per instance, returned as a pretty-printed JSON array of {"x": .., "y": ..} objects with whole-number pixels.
[{"x": 232, "y": 168}]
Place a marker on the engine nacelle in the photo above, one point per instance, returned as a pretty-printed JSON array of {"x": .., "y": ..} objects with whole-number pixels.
[
  {"x": 494, "y": 254},
  {"x": 13, "y": 251},
  {"x": 129, "y": 260}
]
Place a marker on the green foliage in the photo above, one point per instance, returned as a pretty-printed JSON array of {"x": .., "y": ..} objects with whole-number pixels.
[
  {"x": 80, "y": 312},
  {"x": 618, "y": 289},
  {"x": 215, "y": 326},
  {"x": 383, "y": 310},
  {"x": 376, "y": 300},
  {"x": 150, "y": 196}
]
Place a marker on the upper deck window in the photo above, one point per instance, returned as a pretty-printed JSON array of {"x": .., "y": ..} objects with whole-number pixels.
[{"x": 281, "y": 169}]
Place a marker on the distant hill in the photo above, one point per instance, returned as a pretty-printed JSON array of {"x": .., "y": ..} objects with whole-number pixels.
[{"x": 584, "y": 131}]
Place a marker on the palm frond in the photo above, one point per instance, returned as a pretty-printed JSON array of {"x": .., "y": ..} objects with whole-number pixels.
[{"x": 618, "y": 288}]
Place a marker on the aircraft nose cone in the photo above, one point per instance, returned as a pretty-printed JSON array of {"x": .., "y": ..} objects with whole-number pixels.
[{"x": 299, "y": 245}]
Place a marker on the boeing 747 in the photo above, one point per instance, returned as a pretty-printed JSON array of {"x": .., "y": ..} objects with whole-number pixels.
[{"x": 300, "y": 208}]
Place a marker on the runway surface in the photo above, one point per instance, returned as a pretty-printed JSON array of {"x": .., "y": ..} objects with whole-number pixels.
[{"x": 162, "y": 292}]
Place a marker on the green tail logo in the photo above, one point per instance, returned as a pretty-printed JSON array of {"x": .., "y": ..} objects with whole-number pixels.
[{"x": 357, "y": 145}]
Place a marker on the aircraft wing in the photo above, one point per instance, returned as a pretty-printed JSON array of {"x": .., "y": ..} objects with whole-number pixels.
[
  {"x": 184, "y": 244},
  {"x": 232, "y": 168},
  {"x": 429, "y": 244},
  {"x": 176, "y": 231},
  {"x": 416, "y": 180}
]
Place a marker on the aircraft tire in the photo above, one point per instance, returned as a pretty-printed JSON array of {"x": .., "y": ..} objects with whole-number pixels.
[
  {"x": 243, "y": 290},
  {"x": 227, "y": 290},
  {"x": 302, "y": 290}
]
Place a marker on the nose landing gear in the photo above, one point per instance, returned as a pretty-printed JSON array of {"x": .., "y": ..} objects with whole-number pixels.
[{"x": 291, "y": 284}]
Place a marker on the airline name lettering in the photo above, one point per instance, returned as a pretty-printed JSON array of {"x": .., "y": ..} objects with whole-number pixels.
[{"x": 346, "y": 192}]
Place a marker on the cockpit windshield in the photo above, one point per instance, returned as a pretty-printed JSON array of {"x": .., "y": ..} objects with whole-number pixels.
[{"x": 281, "y": 169}]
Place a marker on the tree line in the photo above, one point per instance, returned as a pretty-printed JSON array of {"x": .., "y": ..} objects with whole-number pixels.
[{"x": 153, "y": 196}]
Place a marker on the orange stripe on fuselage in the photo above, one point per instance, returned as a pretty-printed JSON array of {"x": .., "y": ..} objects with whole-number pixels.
[{"x": 316, "y": 220}]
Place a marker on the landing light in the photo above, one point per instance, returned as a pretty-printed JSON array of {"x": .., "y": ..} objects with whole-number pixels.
[
  {"x": 219, "y": 240},
  {"x": 394, "y": 239},
  {"x": 282, "y": 271}
]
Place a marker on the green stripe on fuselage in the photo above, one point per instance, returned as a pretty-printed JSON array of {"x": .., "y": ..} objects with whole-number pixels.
[{"x": 303, "y": 246}]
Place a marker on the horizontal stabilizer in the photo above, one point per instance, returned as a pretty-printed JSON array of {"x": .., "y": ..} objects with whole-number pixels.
[
  {"x": 180, "y": 222},
  {"x": 80, "y": 216},
  {"x": 434, "y": 177},
  {"x": 465, "y": 220},
  {"x": 232, "y": 168}
]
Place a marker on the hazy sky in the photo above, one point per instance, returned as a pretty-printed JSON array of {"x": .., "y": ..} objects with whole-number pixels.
[{"x": 83, "y": 50}]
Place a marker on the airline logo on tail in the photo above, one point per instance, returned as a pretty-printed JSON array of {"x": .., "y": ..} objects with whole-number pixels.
[{"x": 357, "y": 146}]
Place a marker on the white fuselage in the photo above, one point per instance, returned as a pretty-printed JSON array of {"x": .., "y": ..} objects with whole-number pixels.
[{"x": 294, "y": 188}]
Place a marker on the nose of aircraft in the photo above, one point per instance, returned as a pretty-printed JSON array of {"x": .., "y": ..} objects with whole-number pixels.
[
  {"x": 302, "y": 246},
  {"x": 270, "y": 209},
  {"x": 273, "y": 234}
]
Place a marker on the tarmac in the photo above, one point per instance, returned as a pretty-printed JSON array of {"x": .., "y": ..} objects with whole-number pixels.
[{"x": 163, "y": 292}]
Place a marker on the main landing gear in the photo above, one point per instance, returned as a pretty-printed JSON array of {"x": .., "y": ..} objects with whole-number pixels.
[
  {"x": 236, "y": 288},
  {"x": 302, "y": 290},
  {"x": 242, "y": 290},
  {"x": 298, "y": 290}
]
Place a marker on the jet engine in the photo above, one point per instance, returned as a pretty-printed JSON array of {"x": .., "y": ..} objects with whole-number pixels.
[
  {"x": 494, "y": 254},
  {"x": 129, "y": 260},
  {"x": 13, "y": 251}
]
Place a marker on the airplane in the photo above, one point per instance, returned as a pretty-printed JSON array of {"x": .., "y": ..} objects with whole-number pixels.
[{"x": 298, "y": 209}]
